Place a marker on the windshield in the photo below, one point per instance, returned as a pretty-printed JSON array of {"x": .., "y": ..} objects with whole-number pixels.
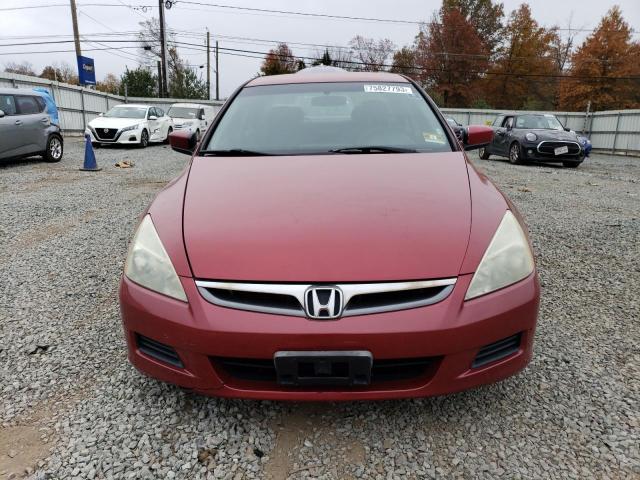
[
  {"x": 126, "y": 112},
  {"x": 323, "y": 117},
  {"x": 545, "y": 122},
  {"x": 183, "y": 112}
]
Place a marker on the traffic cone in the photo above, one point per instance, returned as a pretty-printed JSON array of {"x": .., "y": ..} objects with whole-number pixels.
[{"x": 90, "y": 164}]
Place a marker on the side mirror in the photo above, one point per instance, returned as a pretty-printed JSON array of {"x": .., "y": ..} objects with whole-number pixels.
[
  {"x": 153, "y": 117},
  {"x": 567, "y": 129},
  {"x": 183, "y": 141},
  {"x": 477, "y": 136},
  {"x": 1, "y": 114}
]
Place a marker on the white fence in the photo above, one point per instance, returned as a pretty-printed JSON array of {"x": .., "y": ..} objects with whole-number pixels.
[
  {"x": 611, "y": 131},
  {"x": 77, "y": 106}
]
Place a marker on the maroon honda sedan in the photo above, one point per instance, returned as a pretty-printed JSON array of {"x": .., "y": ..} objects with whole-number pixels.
[{"x": 329, "y": 240}]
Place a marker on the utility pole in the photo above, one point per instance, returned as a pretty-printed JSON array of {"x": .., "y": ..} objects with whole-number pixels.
[
  {"x": 160, "y": 76},
  {"x": 217, "y": 75},
  {"x": 208, "y": 67},
  {"x": 163, "y": 49},
  {"x": 76, "y": 34}
]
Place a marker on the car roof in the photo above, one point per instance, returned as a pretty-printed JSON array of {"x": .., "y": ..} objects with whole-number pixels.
[
  {"x": 136, "y": 105},
  {"x": 310, "y": 75},
  {"x": 190, "y": 105},
  {"x": 18, "y": 91}
]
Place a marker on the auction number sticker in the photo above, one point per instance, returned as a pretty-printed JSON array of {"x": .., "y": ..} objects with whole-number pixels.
[{"x": 388, "y": 89}]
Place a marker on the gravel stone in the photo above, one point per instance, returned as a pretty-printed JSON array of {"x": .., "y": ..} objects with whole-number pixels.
[{"x": 574, "y": 413}]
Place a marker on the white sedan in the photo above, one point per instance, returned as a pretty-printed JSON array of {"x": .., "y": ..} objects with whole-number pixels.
[{"x": 130, "y": 124}]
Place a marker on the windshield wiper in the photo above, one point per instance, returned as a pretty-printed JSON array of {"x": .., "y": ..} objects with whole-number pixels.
[
  {"x": 373, "y": 149},
  {"x": 233, "y": 152}
]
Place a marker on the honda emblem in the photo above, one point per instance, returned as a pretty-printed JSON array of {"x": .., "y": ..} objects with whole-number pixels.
[{"x": 323, "y": 302}]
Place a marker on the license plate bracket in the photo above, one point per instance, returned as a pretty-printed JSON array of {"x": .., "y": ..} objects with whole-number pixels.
[
  {"x": 561, "y": 150},
  {"x": 323, "y": 368}
]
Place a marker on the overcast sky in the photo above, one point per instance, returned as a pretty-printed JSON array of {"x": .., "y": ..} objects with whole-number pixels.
[{"x": 192, "y": 20}]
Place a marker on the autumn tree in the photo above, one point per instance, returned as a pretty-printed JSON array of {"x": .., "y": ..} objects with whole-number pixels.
[
  {"x": 279, "y": 60},
  {"x": 519, "y": 76},
  {"x": 450, "y": 57},
  {"x": 23, "y": 68},
  {"x": 369, "y": 54},
  {"x": 404, "y": 62},
  {"x": 485, "y": 17},
  {"x": 608, "y": 52},
  {"x": 110, "y": 84},
  {"x": 60, "y": 72}
]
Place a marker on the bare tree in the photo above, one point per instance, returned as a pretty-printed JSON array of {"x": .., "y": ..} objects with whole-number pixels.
[
  {"x": 23, "y": 68},
  {"x": 371, "y": 54}
]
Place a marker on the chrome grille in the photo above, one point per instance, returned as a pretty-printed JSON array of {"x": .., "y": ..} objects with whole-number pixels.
[
  {"x": 548, "y": 147},
  {"x": 106, "y": 133},
  {"x": 358, "y": 298}
]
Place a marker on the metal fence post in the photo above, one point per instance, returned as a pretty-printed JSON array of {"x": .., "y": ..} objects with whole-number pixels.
[
  {"x": 615, "y": 134},
  {"x": 84, "y": 112}
]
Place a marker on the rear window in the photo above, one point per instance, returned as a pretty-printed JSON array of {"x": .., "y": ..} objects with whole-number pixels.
[
  {"x": 320, "y": 117},
  {"x": 7, "y": 104},
  {"x": 27, "y": 104},
  {"x": 182, "y": 112}
]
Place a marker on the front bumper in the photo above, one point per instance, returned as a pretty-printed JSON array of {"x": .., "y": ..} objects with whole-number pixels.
[
  {"x": 530, "y": 152},
  {"x": 450, "y": 333},
  {"x": 121, "y": 138}
]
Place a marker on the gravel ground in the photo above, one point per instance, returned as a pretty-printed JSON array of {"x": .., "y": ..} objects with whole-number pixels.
[{"x": 72, "y": 407}]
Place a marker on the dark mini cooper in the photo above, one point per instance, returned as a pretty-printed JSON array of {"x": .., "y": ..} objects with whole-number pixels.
[{"x": 533, "y": 137}]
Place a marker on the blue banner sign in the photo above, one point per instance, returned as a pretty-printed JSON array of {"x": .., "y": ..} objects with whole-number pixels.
[{"x": 86, "y": 71}]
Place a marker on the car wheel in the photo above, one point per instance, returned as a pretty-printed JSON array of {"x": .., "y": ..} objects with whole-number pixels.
[
  {"x": 55, "y": 149},
  {"x": 96, "y": 144},
  {"x": 571, "y": 164},
  {"x": 166, "y": 140},
  {"x": 483, "y": 153},
  {"x": 515, "y": 155},
  {"x": 144, "y": 139}
]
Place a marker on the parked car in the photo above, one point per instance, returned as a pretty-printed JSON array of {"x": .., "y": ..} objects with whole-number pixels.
[
  {"x": 457, "y": 128},
  {"x": 193, "y": 116},
  {"x": 534, "y": 137},
  {"x": 358, "y": 255},
  {"x": 586, "y": 144},
  {"x": 26, "y": 128},
  {"x": 130, "y": 124}
]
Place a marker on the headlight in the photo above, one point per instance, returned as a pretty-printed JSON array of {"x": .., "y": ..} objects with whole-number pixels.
[
  {"x": 149, "y": 265},
  {"x": 507, "y": 260},
  {"x": 132, "y": 127},
  {"x": 532, "y": 137}
]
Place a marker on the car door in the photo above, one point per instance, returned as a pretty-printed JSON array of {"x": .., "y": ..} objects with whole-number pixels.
[
  {"x": 34, "y": 122},
  {"x": 10, "y": 132},
  {"x": 503, "y": 135},
  {"x": 163, "y": 123},
  {"x": 154, "y": 124},
  {"x": 202, "y": 120}
]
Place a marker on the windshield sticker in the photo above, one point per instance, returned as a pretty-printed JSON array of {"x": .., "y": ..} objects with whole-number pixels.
[
  {"x": 434, "y": 137},
  {"x": 388, "y": 89}
]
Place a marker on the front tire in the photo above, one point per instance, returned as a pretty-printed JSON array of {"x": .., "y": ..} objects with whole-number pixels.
[
  {"x": 515, "y": 154},
  {"x": 483, "y": 153},
  {"x": 55, "y": 149},
  {"x": 144, "y": 139}
]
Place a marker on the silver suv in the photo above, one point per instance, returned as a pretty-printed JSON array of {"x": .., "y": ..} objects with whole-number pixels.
[{"x": 26, "y": 128}]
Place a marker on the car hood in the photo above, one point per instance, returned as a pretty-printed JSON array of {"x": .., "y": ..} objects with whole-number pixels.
[
  {"x": 106, "y": 122},
  {"x": 327, "y": 218},
  {"x": 562, "y": 135}
]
